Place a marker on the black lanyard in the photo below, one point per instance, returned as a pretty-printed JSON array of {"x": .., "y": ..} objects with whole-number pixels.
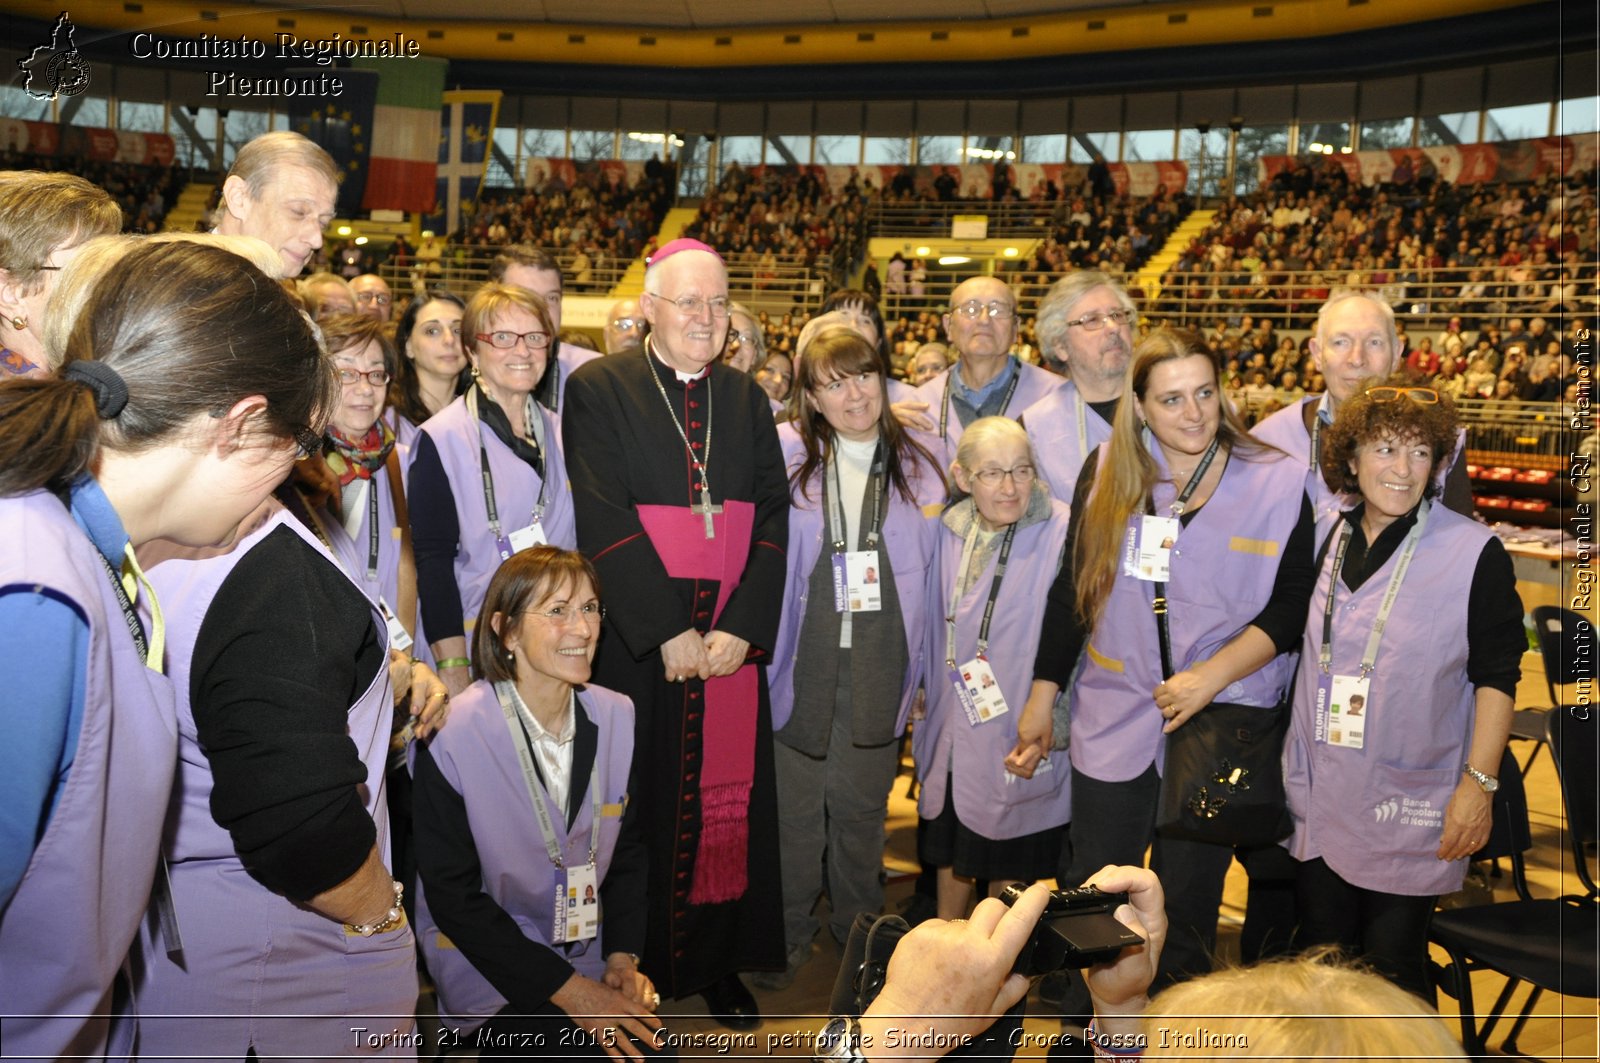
[
  {"x": 944, "y": 405},
  {"x": 129, "y": 616},
  {"x": 534, "y": 426},
  {"x": 1195, "y": 477},
  {"x": 836, "y": 506},
  {"x": 994, "y": 594},
  {"x": 372, "y": 527}
]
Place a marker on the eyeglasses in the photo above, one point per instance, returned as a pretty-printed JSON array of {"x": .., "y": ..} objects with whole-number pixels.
[
  {"x": 374, "y": 297},
  {"x": 625, "y": 323},
  {"x": 1097, "y": 321},
  {"x": 504, "y": 341},
  {"x": 1423, "y": 396},
  {"x": 306, "y": 443},
  {"x": 974, "y": 309},
  {"x": 743, "y": 339},
  {"x": 376, "y": 377},
  {"x": 694, "y": 306},
  {"x": 588, "y": 612},
  {"x": 1020, "y": 475}
]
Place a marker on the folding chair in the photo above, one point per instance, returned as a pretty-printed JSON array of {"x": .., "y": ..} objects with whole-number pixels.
[
  {"x": 1567, "y": 645},
  {"x": 1549, "y": 944}
]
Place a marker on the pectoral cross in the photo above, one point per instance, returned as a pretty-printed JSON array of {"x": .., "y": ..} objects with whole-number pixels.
[{"x": 706, "y": 510}]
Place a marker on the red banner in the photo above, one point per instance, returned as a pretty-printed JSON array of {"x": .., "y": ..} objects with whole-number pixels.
[{"x": 99, "y": 145}]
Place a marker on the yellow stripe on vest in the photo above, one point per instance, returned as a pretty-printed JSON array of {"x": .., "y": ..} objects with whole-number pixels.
[
  {"x": 933, "y": 509},
  {"x": 1264, "y": 547},
  {"x": 1108, "y": 663}
]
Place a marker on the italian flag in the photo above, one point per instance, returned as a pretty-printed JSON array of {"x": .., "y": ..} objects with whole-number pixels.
[{"x": 403, "y": 165}]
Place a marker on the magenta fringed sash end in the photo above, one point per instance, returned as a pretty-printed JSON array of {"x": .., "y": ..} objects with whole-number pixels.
[{"x": 721, "y": 861}]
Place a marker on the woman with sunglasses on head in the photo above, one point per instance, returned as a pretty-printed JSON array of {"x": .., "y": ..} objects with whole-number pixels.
[
  {"x": 849, "y": 654},
  {"x": 997, "y": 548},
  {"x": 1180, "y": 504},
  {"x": 106, "y": 458},
  {"x": 487, "y": 476},
  {"x": 1389, "y": 803},
  {"x": 525, "y": 797},
  {"x": 433, "y": 368}
]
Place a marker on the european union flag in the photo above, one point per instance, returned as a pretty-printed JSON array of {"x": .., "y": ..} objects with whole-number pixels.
[{"x": 342, "y": 125}]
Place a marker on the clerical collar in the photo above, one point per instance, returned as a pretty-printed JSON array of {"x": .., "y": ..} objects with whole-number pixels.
[
  {"x": 683, "y": 378},
  {"x": 977, "y": 398}
]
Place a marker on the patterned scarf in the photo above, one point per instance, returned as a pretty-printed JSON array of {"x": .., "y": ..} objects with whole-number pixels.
[{"x": 359, "y": 459}]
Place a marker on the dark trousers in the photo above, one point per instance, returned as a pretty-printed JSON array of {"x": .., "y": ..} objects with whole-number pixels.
[
  {"x": 1386, "y": 930},
  {"x": 548, "y": 1033},
  {"x": 1113, "y": 823}
]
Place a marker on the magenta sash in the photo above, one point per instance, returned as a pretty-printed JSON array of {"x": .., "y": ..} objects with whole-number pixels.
[{"x": 728, "y": 728}]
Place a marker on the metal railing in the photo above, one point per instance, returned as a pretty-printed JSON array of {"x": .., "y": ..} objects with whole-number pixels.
[{"x": 460, "y": 268}]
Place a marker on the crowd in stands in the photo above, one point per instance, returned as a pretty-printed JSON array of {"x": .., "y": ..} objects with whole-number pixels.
[
  {"x": 780, "y": 216},
  {"x": 595, "y": 231},
  {"x": 144, "y": 193},
  {"x": 1481, "y": 251}
]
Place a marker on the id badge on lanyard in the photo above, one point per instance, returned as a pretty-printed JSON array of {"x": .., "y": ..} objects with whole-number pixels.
[
  {"x": 979, "y": 691},
  {"x": 525, "y": 538},
  {"x": 1147, "y": 553},
  {"x": 398, "y": 639},
  {"x": 856, "y": 582},
  {"x": 1342, "y": 710},
  {"x": 575, "y": 904},
  {"x": 857, "y": 574}
]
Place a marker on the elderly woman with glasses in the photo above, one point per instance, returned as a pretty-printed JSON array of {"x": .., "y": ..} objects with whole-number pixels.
[
  {"x": 1389, "y": 802},
  {"x": 487, "y": 475},
  {"x": 996, "y": 550},
  {"x": 522, "y": 800}
]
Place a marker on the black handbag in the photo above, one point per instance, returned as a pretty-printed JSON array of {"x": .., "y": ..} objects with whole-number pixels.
[
  {"x": 865, "y": 966},
  {"x": 1223, "y": 781}
]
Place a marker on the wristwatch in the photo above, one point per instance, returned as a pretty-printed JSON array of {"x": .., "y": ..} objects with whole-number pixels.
[
  {"x": 1487, "y": 783},
  {"x": 840, "y": 1041}
]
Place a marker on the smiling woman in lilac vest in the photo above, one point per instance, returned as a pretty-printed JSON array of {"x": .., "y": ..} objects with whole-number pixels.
[
  {"x": 487, "y": 476},
  {"x": 186, "y": 382},
  {"x": 1389, "y": 802},
  {"x": 1182, "y": 495},
  {"x": 525, "y": 796},
  {"x": 847, "y": 665}
]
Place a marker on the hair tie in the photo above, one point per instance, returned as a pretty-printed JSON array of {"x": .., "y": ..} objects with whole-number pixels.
[{"x": 110, "y": 390}]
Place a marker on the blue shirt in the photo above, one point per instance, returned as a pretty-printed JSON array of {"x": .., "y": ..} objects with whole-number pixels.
[
  {"x": 985, "y": 401},
  {"x": 43, "y": 709}
]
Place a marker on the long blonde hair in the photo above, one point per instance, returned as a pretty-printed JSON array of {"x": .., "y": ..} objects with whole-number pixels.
[{"x": 1127, "y": 473}]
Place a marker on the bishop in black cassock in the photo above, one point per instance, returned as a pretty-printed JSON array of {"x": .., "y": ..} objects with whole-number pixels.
[{"x": 681, "y": 501}]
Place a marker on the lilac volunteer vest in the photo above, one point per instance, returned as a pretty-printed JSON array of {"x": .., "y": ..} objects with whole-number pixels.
[
  {"x": 1052, "y": 425},
  {"x": 1033, "y": 384},
  {"x": 476, "y": 756},
  {"x": 1287, "y": 431},
  {"x": 1223, "y": 568},
  {"x": 908, "y": 537},
  {"x": 69, "y": 925},
  {"x": 250, "y": 955},
  {"x": 989, "y": 800},
  {"x": 1376, "y": 814},
  {"x": 516, "y": 487},
  {"x": 353, "y": 552}
]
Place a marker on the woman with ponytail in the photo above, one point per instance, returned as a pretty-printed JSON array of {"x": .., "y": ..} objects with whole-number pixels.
[{"x": 188, "y": 383}]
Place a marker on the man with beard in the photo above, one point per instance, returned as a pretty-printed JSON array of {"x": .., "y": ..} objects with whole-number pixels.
[
  {"x": 687, "y": 530},
  {"x": 1085, "y": 320}
]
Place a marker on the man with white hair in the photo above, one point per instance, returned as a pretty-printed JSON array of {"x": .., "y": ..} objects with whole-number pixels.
[
  {"x": 1355, "y": 341},
  {"x": 682, "y": 503},
  {"x": 1085, "y": 320}
]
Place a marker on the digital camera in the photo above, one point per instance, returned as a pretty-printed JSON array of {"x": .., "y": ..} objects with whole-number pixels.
[{"x": 1076, "y": 930}]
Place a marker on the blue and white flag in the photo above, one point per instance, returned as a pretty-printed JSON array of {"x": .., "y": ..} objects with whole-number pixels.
[{"x": 466, "y": 134}]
